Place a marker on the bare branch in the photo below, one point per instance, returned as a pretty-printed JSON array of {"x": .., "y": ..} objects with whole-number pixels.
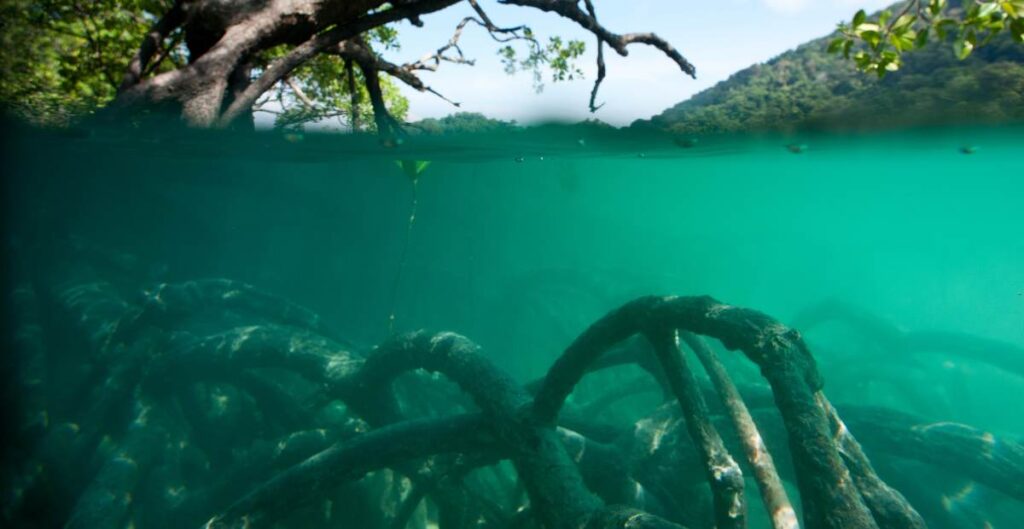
[
  {"x": 432, "y": 62},
  {"x": 569, "y": 9},
  {"x": 300, "y": 94},
  {"x": 358, "y": 51},
  {"x": 601, "y": 69}
]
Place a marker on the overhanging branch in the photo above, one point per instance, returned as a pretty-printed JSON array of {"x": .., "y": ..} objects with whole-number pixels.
[
  {"x": 150, "y": 44},
  {"x": 571, "y": 10},
  {"x": 320, "y": 43}
]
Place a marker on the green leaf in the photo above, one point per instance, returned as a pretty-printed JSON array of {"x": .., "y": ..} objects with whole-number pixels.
[
  {"x": 873, "y": 38},
  {"x": 987, "y": 8},
  {"x": 861, "y": 28},
  {"x": 862, "y": 60},
  {"x": 836, "y": 44},
  {"x": 965, "y": 45},
  {"x": 883, "y": 19},
  {"x": 1014, "y": 8},
  {"x": 903, "y": 41},
  {"x": 1017, "y": 30},
  {"x": 859, "y": 18},
  {"x": 936, "y": 6},
  {"x": 904, "y": 22},
  {"x": 922, "y": 38}
]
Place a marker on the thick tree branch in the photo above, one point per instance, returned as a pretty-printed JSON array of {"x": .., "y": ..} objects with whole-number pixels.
[
  {"x": 152, "y": 42},
  {"x": 320, "y": 43}
]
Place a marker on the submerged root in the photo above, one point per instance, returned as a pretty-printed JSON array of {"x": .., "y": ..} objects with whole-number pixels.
[{"x": 209, "y": 403}]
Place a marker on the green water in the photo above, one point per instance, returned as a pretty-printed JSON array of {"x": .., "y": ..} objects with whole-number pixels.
[{"x": 522, "y": 241}]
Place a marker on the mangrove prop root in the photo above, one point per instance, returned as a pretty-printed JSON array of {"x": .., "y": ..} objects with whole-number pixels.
[
  {"x": 724, "y": 475},
  {"x": 773, "y": 494},
  {"x": 830, "y": 499},
  {"x": 993, "y": 461},
  {"x": 893, "y": 340},
  {"x": 556, "y": 490},
  {"x": 156, "y": 376},
  {"x": 888, "y": 506},
  {"x": 351, "y": 460}
]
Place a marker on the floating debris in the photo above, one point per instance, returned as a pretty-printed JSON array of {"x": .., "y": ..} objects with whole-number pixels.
[
  {"x": 796, "y": 148},
  {"x": 968, "y": 149},
  {"x": 686, "y": 143}
]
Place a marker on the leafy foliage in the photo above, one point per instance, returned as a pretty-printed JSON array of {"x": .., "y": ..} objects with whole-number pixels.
[
  {"x": 558, "y": 56},
  {"x": 877, "y": 44},
  {"x": 61, "y": 58},
  {"x": 809, "y": 88},
  {"x": 326, "y": 90}
]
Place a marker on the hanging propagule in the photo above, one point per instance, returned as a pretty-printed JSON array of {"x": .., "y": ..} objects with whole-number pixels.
[{"x": 412, "y": 169}]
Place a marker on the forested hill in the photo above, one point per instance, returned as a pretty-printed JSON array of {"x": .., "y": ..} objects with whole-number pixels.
[{"x": 807, "y": 88}]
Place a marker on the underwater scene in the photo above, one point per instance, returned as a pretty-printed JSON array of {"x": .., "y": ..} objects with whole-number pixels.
[
  {"x": 511, "y": 264},
  {"x": 506, "y": 330}
]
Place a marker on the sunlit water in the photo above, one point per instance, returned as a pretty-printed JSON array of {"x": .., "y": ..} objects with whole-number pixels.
[{"x": 521, "y": 240}]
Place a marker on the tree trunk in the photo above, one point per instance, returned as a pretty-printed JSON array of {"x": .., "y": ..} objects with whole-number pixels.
[{"x": 221, "y": 37}]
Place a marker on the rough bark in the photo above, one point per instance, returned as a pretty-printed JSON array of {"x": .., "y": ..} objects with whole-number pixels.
[
  {"x": 337, "y": 415},
  {"x": 780, "y": 510},
  {"x": 723, "y": 474},
  {"x": 830, "y": 498}
]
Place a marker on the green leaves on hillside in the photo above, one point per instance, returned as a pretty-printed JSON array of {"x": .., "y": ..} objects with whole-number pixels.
[
  {"x": 878, "y": 45},
  {"x": 809, "y": 88}
]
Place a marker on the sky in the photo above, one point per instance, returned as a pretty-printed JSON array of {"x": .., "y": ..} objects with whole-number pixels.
[{"x": 720, "y": 37}]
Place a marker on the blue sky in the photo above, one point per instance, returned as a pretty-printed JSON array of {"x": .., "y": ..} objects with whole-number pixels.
[{"x": 719, "y": 36}]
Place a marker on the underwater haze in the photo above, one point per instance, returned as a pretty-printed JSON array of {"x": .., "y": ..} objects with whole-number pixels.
[{"x": 193, "y": 320}]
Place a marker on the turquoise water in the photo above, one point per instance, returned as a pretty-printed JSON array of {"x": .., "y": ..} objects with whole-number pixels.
[{"x": 520, "y": 242}]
